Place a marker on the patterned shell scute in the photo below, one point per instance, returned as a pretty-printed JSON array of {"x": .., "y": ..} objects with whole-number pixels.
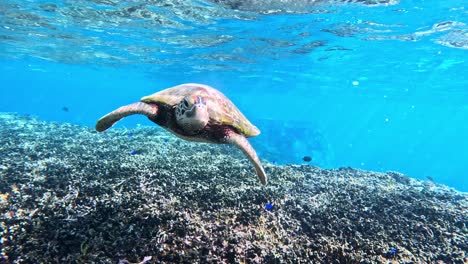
[{"x": 222, "y": 111}]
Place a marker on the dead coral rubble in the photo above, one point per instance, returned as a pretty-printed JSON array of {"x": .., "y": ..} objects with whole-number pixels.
[{"x": 71, "y": 195}]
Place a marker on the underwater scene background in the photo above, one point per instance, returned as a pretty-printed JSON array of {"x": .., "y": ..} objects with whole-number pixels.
[
  {"x": 376, "y": 86},
  {"x": 372, "y": 86}
]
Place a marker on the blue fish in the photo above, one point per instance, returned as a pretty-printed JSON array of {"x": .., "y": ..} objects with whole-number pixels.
[
  {"x": 130, "y": 134},
  {"x": 134, "y": 152},
  {"x": 268, "y": 206},
  {"x": 392, "y": 252}
]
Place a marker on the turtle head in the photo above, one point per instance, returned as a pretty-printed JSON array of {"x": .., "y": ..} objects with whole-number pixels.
[{"x": 192, "y": 114}]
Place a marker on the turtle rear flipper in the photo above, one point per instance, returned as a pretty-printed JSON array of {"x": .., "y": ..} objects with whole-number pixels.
[
  {"x": 241, "y": 142},
  {"x": 149, "y": 110}
]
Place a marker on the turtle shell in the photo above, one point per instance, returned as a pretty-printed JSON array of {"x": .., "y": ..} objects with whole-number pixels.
[{"x": 222, "y": 111}]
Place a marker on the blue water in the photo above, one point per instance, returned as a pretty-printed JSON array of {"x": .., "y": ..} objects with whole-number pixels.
[{"x": 373, "y": 87}]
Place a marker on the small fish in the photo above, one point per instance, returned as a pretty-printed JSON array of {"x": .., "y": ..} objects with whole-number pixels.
[
  {"x": 65, "y": 109},
  {"x": 268, "y": 206},
  {"x": 307, "y": 158},
  {"x": 392, "y": 252},
  {"x": 430, "y": 178},
  {"x": 130, "y": 134},
  {"x": 165, "y": 139},
  {"x": 134, "y": 153}
]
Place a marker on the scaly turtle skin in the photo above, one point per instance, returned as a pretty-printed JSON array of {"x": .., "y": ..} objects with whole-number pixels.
[{"x": 194, "y": 112}]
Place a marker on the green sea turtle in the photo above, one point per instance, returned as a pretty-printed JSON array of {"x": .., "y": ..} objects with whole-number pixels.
[{"x": 194, "y": 112}]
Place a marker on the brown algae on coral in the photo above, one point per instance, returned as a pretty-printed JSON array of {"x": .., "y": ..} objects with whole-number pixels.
[{"x": 68, "y": 194}]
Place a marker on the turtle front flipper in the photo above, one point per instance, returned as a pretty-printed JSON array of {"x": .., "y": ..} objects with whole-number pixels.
[
  {"x": 149, "y": 110},
  {"x": 241, "y": 142}
]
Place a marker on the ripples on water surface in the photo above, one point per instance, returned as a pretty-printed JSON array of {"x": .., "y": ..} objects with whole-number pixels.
[{"x": 212, "y": 35}]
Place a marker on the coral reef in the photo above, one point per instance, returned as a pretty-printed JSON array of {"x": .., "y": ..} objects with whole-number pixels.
[{"x": 71, "y": 195}]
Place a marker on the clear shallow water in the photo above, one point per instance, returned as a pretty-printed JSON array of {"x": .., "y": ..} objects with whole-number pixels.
[{"x": 374, "y": 87}]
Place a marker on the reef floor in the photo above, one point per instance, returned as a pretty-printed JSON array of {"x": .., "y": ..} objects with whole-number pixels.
[{"x": 71, "y": 195}]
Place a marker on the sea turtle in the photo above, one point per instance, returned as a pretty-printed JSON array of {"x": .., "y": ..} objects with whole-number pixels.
[{"x": 194, "y": 112}]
